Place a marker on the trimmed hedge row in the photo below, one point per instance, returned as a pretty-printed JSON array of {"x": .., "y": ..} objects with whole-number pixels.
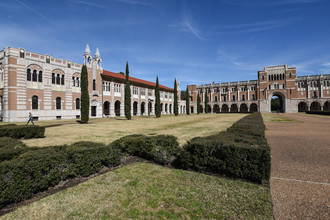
[
  {"x": 22, "y": 131},
  {"x": 10, "y": 148},
  {"x": 319, "y": 112},
  {"x": 161, "y": 149},
  {"x": 37, "y": 169},
  {"x": 240, "y": 152}
]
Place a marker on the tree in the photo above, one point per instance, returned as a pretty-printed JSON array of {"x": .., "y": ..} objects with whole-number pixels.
[
  {"x": 176, "y": 107},
  {"x": 84, "y": 110},
  {"x": 198, "y": 104},
  {"x": 187, "y": 103},
  {"x": 206, "y": 100},
  {"x": 127, "y": 96},
  {"x": 157, "y": 110},
  {"x": 122, "y": 73},
  {"x": 183, "y": 95}
]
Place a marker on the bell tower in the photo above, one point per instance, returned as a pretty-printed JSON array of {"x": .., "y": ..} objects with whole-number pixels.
[{"x": 87, "y": 56}]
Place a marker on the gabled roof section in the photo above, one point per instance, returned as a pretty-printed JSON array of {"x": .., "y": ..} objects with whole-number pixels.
[{"x": 136, "y": 80}]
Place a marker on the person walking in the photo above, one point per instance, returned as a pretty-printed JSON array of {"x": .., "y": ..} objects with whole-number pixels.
[{"x": 30, "y": 118}]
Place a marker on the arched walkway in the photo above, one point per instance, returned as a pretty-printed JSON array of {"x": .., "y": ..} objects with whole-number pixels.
[
  {"x": 135, "y": 108},
  {"x": 142, "y": 108},
  {"x": 200, "y": 109},
  {"x": 315, "y": 106},
  {"x": 253, "y": 107},
  {"x": 277, "y": 102},
  {"x": 191, "y": 109},
  {"x": 224, "y": 108},
  {"x": 233, "y": 108},
  {"x": 326, "y": 106},
  {"x": 106, "y": 108},
  {"x": 208, "y": 109},
  {"x": 243, "y": 108},
  {"x": 166, "y": 108},
  {"x": 302, "y": 107},
  {"x": 216, "y": 108},
  {"x": 170, "y": 108},
  {"x": 117, "y": 108}
]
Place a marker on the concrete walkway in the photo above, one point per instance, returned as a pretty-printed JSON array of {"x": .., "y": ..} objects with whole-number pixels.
[{"x": 299, "y": 183}]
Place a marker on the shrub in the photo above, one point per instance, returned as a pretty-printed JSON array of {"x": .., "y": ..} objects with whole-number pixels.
[
  {"x": 319, "y": 112},
  {"x": 10, "y": 148},
  {"x": 161, "y": 149},
  {"x": 22, "y": 131},
  {"x": 241, "y": 152},
  {"x": 39, "y": 168}
]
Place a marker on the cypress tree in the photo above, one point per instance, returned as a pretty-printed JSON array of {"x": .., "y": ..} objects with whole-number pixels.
[
  {"x": 198, "y": 104},
  {"x": 84, "y": 110},
  {"x": 157, "y": 110},
  {"x": 127, "y": 96},
  {"x": 206, "y": 109},
  {"x": 187, "y": 103},
  {"x": 176, "y": 107}
]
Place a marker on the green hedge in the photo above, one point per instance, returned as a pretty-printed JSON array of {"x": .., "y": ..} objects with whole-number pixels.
[
  {"x": 240, "y": 152},
  {"x": 10, "y": 148},
  {"x": 22, "y": 131},
  {"x": 161, "y": 149},
  {"x": 37, "y": 169},
  {"x": 319, "y": 112}
]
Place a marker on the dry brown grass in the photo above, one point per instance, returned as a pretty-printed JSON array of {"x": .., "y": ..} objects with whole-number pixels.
[
  {"x": 106, "y": 130},
  {"x": 275, "y": 117}
]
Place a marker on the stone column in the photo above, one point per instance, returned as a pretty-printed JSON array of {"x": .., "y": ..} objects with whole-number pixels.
[{"x": 112, "y": 109}]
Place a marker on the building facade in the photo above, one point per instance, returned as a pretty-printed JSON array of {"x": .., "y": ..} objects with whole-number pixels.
[
  {"x": 296, "y": 93},
  {"x": 49, "y": 88}
]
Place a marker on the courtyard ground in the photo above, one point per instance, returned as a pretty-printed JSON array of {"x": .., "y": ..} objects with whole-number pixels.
[
  {"x": 106, "y": 130},
  {"x": 149, "y": 191},
  {"x": 300, "y": 149}
]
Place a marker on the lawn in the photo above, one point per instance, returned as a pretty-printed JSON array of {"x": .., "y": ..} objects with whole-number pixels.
[
  {"x": 148, "y": 191},
  {"x": 106, "y": 130},
  {"x": 276, "y": 117}
]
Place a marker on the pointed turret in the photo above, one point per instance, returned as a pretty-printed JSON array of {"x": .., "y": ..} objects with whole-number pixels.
[
  {"x": 87, "y": 51},
  {"x": 97, "y": 54}
]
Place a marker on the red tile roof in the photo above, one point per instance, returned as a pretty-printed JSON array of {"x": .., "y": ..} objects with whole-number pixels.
[{"x": 132, "y": 79}]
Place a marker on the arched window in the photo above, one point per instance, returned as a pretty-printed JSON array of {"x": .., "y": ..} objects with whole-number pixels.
[
  {"x": 58, "y": 79},
  {"x": 77, "y": 82},
  {"x": 216, "y": 98},
  {"x": 58, "y": 103},
  {"x": 263, "y": 77},
  {"x": 62, "y": 80},
  {"x": 40, "y": 76},
  {"x": 94, "y": 84},
  {"x": 269, "y": 78},
  {"x": 28, "y": 75},
  {"x": 34, "y": 76},
  {"x": 77, "y": 103},
  {"x": 73, "y": 81},
  {"x": 53, "y": 78},
  {"x": 290, "y": 75},
  {"x": 269, "y": 87},
  {"x": 34, "y": 102}
]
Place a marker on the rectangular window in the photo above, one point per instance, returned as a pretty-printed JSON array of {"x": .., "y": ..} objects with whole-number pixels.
[
  {"x": 117, "y": 87},
  {"x": 149, "y": 92},
  {"x": 135, "y": 90},
  {"x": 233, "y": 98},
  {"x": 253, "y": 97},
  {"x": 243, "y": 97},
  {"x": 143, "y": 91}
]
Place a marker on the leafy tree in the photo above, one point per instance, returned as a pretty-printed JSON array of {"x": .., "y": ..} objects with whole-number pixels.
[
  {"x": 198, "y": 104},
  {"x": 157, "y": 110},
  {"x": 187, "y": 103},
  {"x": 122, "y": 73},
  {"x": 176, "y": 107},
  {"x": 206, "y": 101},
  {"x": 127, "y": 96},
  {"x": 84, "y": 110}
]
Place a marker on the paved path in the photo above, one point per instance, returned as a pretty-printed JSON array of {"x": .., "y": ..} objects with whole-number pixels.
[{"x": 299, "y": 184}]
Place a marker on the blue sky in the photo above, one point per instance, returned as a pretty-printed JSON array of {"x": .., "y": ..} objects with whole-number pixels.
[{"x": 197, "y": 41}]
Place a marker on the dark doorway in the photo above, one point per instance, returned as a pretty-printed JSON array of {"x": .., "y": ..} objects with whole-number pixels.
[
  {"x": 106, "y": 108},
  {"x": 243, "y": 108},
  {"x": 315, "y": 106},
  {"x": 233, "y": 108},
  {"x": 117, "y": 108},
  {"x": 135, "y": 107},
  {"x": 142, "y": 108},
  {"x": 224, "y": 108},
  {"x": 216, "y": 109},
  {"x": 93, "y": 110},
  {"x": 253, "y": 107},
  {"x": 191, "y": 109},
  {"x": 326, "y": 106},
  {"x": 277, "y": 104}
]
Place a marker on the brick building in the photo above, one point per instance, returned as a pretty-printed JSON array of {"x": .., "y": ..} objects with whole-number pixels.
[
  {"x": 296, "y": 93},
  {"x": 50, "y": 88}
]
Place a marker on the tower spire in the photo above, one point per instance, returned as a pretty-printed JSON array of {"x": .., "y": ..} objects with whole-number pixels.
[
  {"x": 87, "y": 51},
  {"x": 97, "y": 54}
]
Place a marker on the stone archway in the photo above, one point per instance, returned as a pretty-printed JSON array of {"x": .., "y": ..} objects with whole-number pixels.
[
  {"x": 277, "y": 102},
  {"x": 135, "y": 108},
  {"x": 253, "y": 107},
  {"x": 302, "y": 107},
  {"x": 106, "y": 108},
  {"x": 224, "y": 108},
  {"x": 233, "y": 108},
  {"x": 243, "y": 108},
  {"x": 117, "y": 108},
  {"x": 315, "y": 106},
  {"x": 216, "y": 108},
  {"x": 142, "y": 108},
  {"x": 326, "y": 106}
]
